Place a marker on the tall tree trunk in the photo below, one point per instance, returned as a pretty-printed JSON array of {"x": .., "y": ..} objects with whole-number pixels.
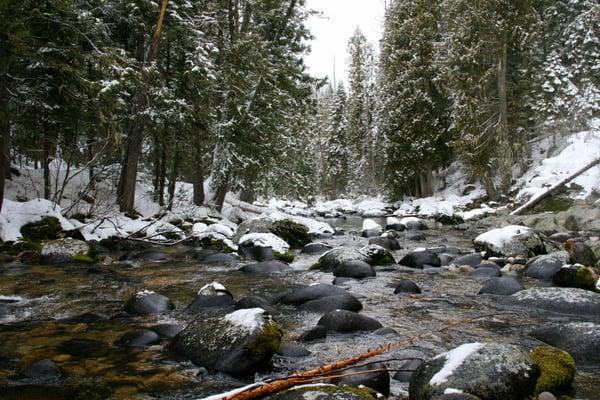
[
  {"x": 490, "y": 189},
  {"x": 248, "y": 194},
  {"x": 505, "y": 152},
  {"x": 198, "y": 173},
  {"x": 90, "y": 155},
  {"x": 4, "y": 119},
  {"x": 173, "y": 176},
  {"x": 135, "y": 140},
  {"x": 221, "y": 193},
  {"x": 46, "y": 163}
]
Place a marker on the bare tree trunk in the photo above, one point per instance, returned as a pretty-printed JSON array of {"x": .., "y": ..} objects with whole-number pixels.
[
  {"x": 505, "y": 152},
  {"x": 4, "y": 119},
  {"x": 221, "y": 193},
  {"x": 490, "y": 189},
  {"x": 90, "y": 155},
  {"x": 46, "y": 164},
  {"x": 173, "y": 176},
  {"x": 135, "y": 140},
  {"x": 198, "y": 173}
]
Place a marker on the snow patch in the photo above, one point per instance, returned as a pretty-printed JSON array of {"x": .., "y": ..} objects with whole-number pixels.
[
  {"x": 369, "y": 224},
  {"x": 454, "y": 359},
  {"x": 15, "y": 215},
  {"x": 249, "y": 319},
  {"x": 264, "y": 240}
]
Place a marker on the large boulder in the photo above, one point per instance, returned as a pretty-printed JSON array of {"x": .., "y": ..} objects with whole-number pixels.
[
  {"x": 561, "y": 300},
  {"x": 148, "y": 303},
  {"x": 312, "y": 292},
  {"x": 66, "y": 250},
  {"x": 348, "y": 321},
  {"x": 510, "y": 241},
  {"x": 502, "y": 286},
  {"x": 256, "y": 225},
  {"x": 240, "y": 343},
  {"x": 354, "y": 269},
  {"x": 335, "y": 257},
  {"x": 291, "y": 232},
  {"x": 257, "y": 246},
  {"x": 545, "y": 266},
  {"x": 212, "y": 295},
  {"x": 557, "y": 369},
  {"x": 580, "y": 339},
  {"x": 490, "y": 371},
  {"x": 420, "y": 259}
]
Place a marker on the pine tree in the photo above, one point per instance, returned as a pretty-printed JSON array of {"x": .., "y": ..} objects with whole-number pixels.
[{"x": 336, "y": 150}]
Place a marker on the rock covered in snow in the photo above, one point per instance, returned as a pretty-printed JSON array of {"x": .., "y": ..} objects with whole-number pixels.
[
  {"x": 394, "y": 223},
  {"x": 377, "y": 255},
  {"x": 148, "y": 303},
  {"x": 490, "y": 371},
  {"x": 199, "y": 227},
  {"x": 335, "y": 257},
  {"x": 65, "y": 251},
  {"x": 510, "y": 241},
  {"x": 371, "y": 228},
  {"x": 264, "y": 240},
  {"x": 240, "y": 343},
  {"x": 221, "y": 229},
  {"x": 212, "y": 295},
  {"x": 15, "y": 215}
]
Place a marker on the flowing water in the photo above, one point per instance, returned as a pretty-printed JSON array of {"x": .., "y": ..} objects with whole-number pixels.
[{"x": 73, "y": 315}]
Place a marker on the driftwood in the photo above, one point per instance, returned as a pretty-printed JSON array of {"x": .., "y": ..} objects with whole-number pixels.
[
  {"x": 537, "y": 199},
  {"x": 260, "y": 390}
]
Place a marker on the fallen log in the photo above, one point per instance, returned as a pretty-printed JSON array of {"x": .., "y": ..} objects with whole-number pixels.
[{"x": 537, "y": 199}]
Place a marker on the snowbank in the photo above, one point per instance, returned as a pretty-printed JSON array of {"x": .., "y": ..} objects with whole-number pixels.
[{"x": 15, "y": 215}]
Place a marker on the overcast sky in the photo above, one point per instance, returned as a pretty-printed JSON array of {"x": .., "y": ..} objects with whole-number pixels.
[{"x": 332, "y": 31}]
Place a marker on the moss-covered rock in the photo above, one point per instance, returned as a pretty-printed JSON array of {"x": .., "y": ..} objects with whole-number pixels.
[
  {"x": 22, "y": 246},
  {"x": 553, "y": 204},
  {"x": 287, "y": 256},
  {"x": 48, "y": 228},
  {"x": 293, "y": 233},
  {"x": 315, "y": 267},
  {"x": 557, "y": 369},
  {"x": 576, "y": 276},
  {"x": 239, "y": 343},
  {"x": 66, "y": 250}
]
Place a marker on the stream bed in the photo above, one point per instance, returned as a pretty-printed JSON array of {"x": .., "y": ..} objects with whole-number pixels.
[{"x": 73, "y": 315}]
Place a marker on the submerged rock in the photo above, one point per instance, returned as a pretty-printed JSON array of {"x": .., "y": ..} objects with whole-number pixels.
[
  {"x": 331, "y": 303},
  {"x": 239, "y": 343},
  {"x": 510, "y": 241},
  {"x": 139, "y": 338},
  {"x": 266, "y": 267},
  {"x": 147, "y": 303},
  {"x": 503, "y": 286},
  {"x": 43, "y": 370},
  {"x": 354, "y": 269},
  {"x": 348, "y": 321},
  {"x": 490, "y": 371},
  {"x": 312, "y": 292},
  {"x": 405, "y": 286},
  {"x": 486, "y": 272},
  {"x": 580, "y": 339}
]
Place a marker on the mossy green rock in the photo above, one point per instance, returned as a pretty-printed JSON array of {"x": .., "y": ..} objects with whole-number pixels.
[
  {"x": 295, "y": 234},
  {"x": 557, "y": 369},
  {"x": 576, "y": 276},
  {"x": 16, "y": 248},
  {"x": 325, "y": 392},
  {"x": 287, "y": 256},
  {"x": 48, "y": 228},
  {"x": 238, "y": 344}
]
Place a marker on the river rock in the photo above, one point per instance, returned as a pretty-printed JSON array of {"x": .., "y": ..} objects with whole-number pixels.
[
  {"x": 312, "y": 292},
  {"x": 545, "y": 266},
  {"x": 580, "y": 253},
  {"x": 576, "y": 276},
  {"x": 580, "y": 339},
  {"x": 255, "y": 302},
  {"x": 240, "y": 343},
  {"x": 43, "y": 370},
  {"x": 472, "y": 260},
  {"x": 414, "y": 223},
  {"x": 324, "y": 392},
  {"x": 418, "y": 259},
  {"x": 266, "y": 267},
  {"x": 406, "y": 286},
  {"x": 140, "y": 338},
  {"x": 503, "y": 286},
  {"x": 327, "y": 304},
  {"x": 220, "y": 258},
  {"x": 377, "y": 255},
  {"x": 407, "y": 369},
  {"x": 147, "y": 303},
  {"x": 510, "y": 241},
  {"x": 392, "y": 223},
  {"x": 212, "y": 295},
  {"x": 168, "y": 331},
  {"x": 292, "y": 350},
  {"x": 490, "y": 371},
  {"x": 562, "y": 300},
  {"x": 387, "y": 242},
  {"x": 334, "y": 258},
  {"x": 557, "y": 369},
  {"x": 560, "y": 237},
  {"x": 371, "y": 228},
  {"x": 348, "y": 321},
  {"x": 354, "y": 269},
  {"x": 314, "y": 333},
  {"x": 375, "y": 376},
  {"x": 315, "y": 248},
  {"x": 486, "y": 272},
  {"x": 255, "y": 225},
  {"x": 65, "y": 250},
  {"x": 414, "y": 235}
]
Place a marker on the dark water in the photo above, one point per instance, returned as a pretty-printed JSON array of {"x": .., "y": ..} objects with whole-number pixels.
[{"x": 52, "y": 300}]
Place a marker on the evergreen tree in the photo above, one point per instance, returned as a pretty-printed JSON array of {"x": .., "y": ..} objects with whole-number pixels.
[{"x": 336, "y": 150}]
